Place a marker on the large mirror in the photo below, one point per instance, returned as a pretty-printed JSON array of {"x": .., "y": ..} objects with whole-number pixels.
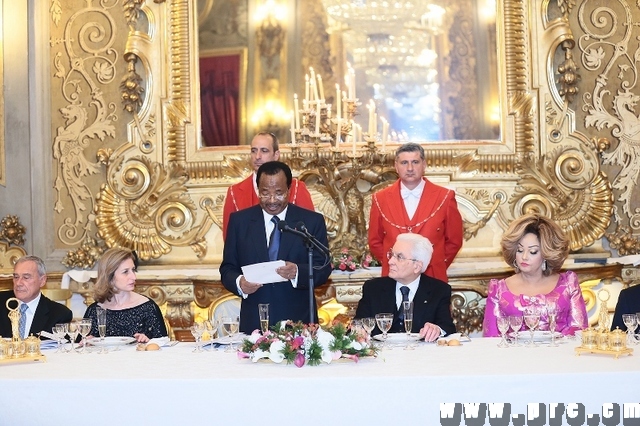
[{"x": 430, "y": 67}]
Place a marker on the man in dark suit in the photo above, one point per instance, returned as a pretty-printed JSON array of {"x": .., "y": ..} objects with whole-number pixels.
[
  {"x": 628, "y": 303},
  {"x": 408, "y": 259},
  {"x": 40, "y": 313},
  {"x": 253, "y": 231}
]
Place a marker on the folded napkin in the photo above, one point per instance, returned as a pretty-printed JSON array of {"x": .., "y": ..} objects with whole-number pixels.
[{"x": 161, "y": 341}]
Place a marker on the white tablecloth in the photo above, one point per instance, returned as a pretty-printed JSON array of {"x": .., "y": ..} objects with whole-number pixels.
[{"x": 176, "y": 386}]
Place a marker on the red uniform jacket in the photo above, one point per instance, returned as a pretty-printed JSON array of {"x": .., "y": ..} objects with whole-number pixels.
[
  {"x": 243, "y": 195},
  {"x": 437, "y": 218}
]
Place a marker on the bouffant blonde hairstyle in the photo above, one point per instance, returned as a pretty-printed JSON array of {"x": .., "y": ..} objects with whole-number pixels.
[{"x": 554, "y": 244}]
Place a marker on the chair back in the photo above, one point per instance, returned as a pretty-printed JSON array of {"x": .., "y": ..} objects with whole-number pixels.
[
  {"x": 224, "y": 306},
  {"x": 62, "y": 295}
]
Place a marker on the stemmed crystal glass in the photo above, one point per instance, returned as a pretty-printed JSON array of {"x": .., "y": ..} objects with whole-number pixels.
[
  {"x": 503, "y": 327},
  {"x": 59, "y": 331},
  {"x": 101, "y": 315},
  {"x": 73, "y": 330},
  {"x": 197, "y": 329},
  {"x": 515, "y": 321},
  {"x": 384, "y": 321},
  {"x": 368, "y": 324},
  {"x": 407, "y": 307},
  {"x": 230, "y": 326},
  {"x": 211, "y": 327},
  {"x": 531, "y": 320},
  {"x": 552, "y": 313},
  {"x": 84, "y": 328},
  {"x": 263, "y": 311},
  {"x": 631, "y": 322}
]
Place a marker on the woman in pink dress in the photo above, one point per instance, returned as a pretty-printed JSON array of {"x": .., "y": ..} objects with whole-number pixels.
[{"x": 536, "y": 247}]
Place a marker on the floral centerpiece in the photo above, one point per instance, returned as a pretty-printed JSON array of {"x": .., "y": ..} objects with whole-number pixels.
[
  {"x": 300, "y": 344},
  {"x": 345, "y": 261}
]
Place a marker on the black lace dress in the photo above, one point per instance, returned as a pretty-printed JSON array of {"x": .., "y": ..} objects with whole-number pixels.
[{"x": 146, "y": 319}]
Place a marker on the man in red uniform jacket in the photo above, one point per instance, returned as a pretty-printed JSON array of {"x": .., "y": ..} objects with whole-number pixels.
[
  {"x": 264, "y": 148},
  {"x": 413, "y": 204}
]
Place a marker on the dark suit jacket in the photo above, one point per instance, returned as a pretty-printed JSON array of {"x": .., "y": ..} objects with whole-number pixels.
[
  {"x": 48, "y": 313},
  {"x": 628, "y": 303},
  {"x": 246, "y": 244},
  {"x": 430, "y": 304}
]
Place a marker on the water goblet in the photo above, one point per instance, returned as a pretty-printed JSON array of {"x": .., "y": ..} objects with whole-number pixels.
[
  {"x": 73, "y": 330},
  {"x": 384, "y": 321},
  {"x": 59, "y": 331},
  {"x": 531, "y": 320},
  {"x": 197, "y": 329},
  {"x": 368, "y": 324},
  {"x": 263, "y": 311},
  {"x": 631, "y": 322},
  {"x": 211, "y": 327},
  {"x": 84, "y": 328},
  {"x": 515, "y": 322},
  {"x": 101, "y": 315},
  {"x": 230, "y": 327},
  {"x": 407, "y": 307},
  {"x": 503, "y": 327}
]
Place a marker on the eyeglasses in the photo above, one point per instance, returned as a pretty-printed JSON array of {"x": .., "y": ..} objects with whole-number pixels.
[
  {"x": 399, "y": 256},
  {"x": 277, "y": 197}
]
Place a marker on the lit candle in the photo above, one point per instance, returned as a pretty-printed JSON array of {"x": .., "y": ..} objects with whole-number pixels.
[
  {"x": 296, "y": 111},
  {"x": 354, "y": 127},
  {"x": 345, "y": 107},
  {"x": 314, "y": 85},
  {"x": 320, "y": 87},
  {"x": 318, "y": 119},
  {"x": 385, "y": 132},
  {"x": 293, "y": 131},
  {"x": 338, "y": 102},
  {"x": 372, "y": 117},
  {"x": 339, "y": 131},
  {"x": 306, "y": 86}
]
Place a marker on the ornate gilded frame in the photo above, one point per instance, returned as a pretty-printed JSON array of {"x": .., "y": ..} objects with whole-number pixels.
[{"x": 161, "y": 193}]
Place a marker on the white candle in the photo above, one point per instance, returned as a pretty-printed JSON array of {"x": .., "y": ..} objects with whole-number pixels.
[
  {"x": 318, "y": 118},
  {"x": 385, "y": 132},
  {"x": 338, "y": 102},
  {"x": 372, "y": 117},
  {"x": 345, "y": 107},
  {"x": 320, "y": 87},
  {"x": 314, "y": 85},
  {"x": 306, "y": 86},
  {"x": 352, "y": 83},
  {"x": 339, "y": 131},
  {"x": 354, "y": 128},
  {"x": 293, "y": 131},
  {"x": 296, "y": 111}
]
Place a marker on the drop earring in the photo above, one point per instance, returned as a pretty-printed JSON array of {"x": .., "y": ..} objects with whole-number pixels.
[{"x": 544, "y": 265}]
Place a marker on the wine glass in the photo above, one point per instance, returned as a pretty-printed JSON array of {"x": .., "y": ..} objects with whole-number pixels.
[
  {"x": 84, "y": 328},
  {"x": 515, "y": 321},
  {"x": 531, "y": 320},
  {"x": 503, "y": 326},
  {"x": 211, "y": 328},
  {"x": 230, "y": 327},
  {"x": 59, "y": 331},
  {"x": 407, "y": 307},
  {"x": 384, "y": 321},
  {"x": 101, "y": 315},
  {"x": 368, "y": 324},
  {"x": 263, "y": 311},
  {"x": 552, "y": 313},
  {"x": 73, "y": 330},
  {"x": 631, "y": 322},
  {"x": 197, "y": 329}
]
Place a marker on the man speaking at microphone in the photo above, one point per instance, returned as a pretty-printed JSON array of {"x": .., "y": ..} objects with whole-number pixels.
[{"x": 256, "y": 235}]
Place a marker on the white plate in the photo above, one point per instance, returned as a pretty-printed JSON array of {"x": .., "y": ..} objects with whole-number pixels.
[
  {"x": 397, "y": 337},
  {"x": 538, "y": 335},
  {"x": 227, "y": 340},
  {"x": 111, "y": 341}
]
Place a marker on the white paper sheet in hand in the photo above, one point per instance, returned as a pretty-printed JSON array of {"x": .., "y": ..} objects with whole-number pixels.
[{"x": 263, "y": 273}]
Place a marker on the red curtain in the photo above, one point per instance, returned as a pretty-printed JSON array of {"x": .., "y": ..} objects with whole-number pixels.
[{"x": 220, "y": 100}]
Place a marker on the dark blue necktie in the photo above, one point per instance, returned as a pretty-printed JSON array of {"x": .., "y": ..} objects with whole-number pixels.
[
  {"x": 274, "y": 239},
  {"x": 405, "y": 298}
]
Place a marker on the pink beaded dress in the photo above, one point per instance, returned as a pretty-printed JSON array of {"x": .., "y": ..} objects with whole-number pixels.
[{"x": 572, "y": 312}]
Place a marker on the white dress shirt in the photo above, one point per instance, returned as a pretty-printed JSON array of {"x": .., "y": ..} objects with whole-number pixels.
[{"x": 411, "y": 197}]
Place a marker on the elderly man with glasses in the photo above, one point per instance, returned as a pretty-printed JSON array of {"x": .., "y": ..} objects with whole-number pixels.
[{"x": 408, "y": 259}]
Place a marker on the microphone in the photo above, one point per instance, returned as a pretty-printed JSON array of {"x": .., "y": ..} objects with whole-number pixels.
[
  {"x": 300, "y": 225},
  {"x": 304, "y": 233},
  {"x": 284, "y": 227}
]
